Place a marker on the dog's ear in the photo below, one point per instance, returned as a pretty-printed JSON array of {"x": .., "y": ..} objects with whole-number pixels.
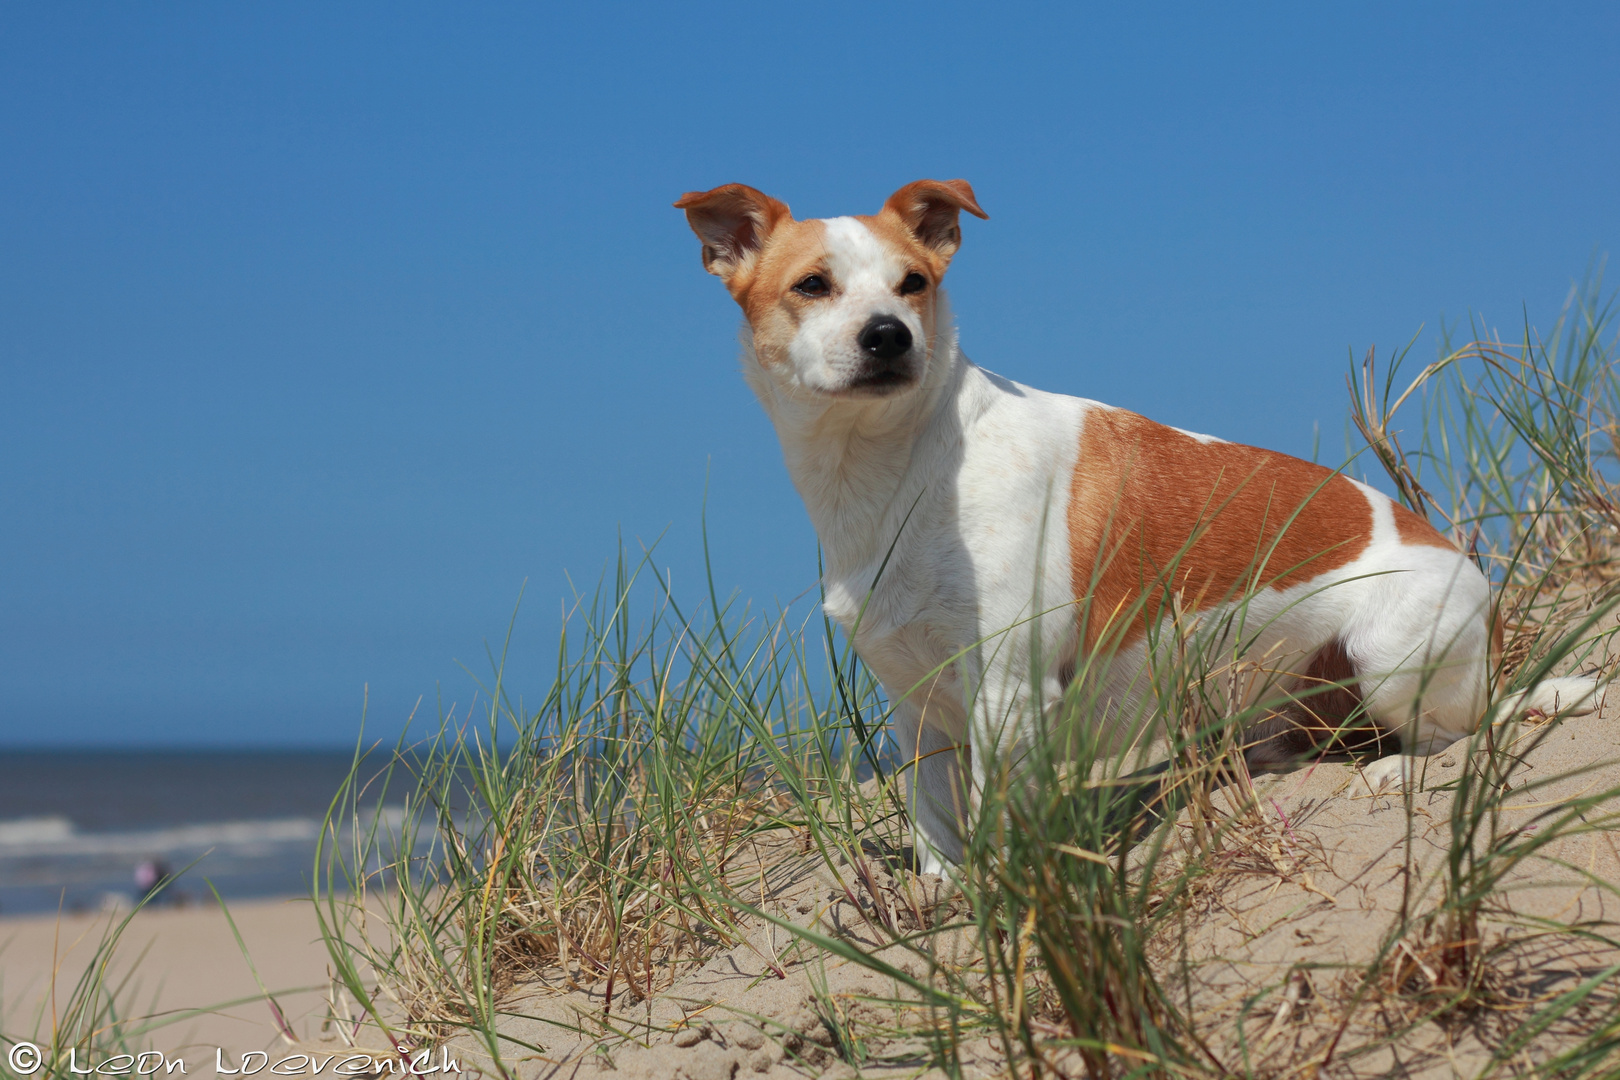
[
  {"x": 733, "y": 221},
  {"x": 930, "y": 208}
]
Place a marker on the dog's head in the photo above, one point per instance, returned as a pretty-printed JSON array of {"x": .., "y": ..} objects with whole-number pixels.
[{"x": 840, "y": 307}]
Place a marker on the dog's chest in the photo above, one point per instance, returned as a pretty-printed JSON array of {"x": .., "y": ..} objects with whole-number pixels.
[
  {"x": 909, "y": 618},
  {"x": 970, "y": 541}
]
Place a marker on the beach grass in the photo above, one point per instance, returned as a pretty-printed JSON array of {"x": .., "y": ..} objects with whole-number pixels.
[
  {"x": 603, "y": 843},
  {"x": 623, "y": 830}
]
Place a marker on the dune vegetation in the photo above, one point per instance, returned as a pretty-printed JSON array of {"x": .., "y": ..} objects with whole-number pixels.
[{"x": 690, "y": 855}]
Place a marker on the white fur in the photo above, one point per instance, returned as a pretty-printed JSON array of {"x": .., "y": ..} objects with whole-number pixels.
[{"x": 962, "y": 483}]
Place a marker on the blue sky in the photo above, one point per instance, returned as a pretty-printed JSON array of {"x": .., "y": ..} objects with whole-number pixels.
[{"x": 324, "y": 328}]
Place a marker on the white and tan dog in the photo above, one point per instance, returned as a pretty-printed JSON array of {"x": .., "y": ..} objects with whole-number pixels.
[{"x": 989, "y": 506}]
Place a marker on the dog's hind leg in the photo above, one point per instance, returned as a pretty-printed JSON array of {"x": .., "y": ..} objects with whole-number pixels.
[
  {"x": 1422, "y": 650},
  {"x": 1424, "y": 668}
]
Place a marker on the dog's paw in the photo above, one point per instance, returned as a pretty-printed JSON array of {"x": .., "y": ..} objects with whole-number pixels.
[{"x": 1389, "y": 773}]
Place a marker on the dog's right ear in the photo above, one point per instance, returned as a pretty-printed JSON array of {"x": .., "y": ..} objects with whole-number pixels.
[
  {"x": 733, "y": 221},
  {"x": 930, "y": 209}
]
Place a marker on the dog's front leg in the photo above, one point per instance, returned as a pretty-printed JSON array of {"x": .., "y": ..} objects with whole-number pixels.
[
  {"x": 936, "y": 797},
  {"x": 1002, "y": 708}
]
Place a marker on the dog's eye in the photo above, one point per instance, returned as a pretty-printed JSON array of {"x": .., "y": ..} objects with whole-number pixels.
[
  {"x": 914, "y": 283},
  {"x": 814, "y": 285}
]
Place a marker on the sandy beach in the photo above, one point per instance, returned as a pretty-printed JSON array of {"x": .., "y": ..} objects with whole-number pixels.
[
  {"x": 171, "y": 961},
  {"x": 1332, "y": 897},
  {"x": 1319, "y": 885}
]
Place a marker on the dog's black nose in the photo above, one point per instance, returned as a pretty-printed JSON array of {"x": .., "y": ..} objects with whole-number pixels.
[{"x": 885, "y": 337}]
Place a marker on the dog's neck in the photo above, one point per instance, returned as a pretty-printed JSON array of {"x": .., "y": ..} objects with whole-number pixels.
[{"x": 852, "y": 460}]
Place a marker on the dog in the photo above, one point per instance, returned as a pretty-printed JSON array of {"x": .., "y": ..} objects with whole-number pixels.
[{"x": 984, "y": 541}]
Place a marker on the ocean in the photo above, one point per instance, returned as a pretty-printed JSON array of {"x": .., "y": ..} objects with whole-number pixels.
[{"x": 76, "y": 826}]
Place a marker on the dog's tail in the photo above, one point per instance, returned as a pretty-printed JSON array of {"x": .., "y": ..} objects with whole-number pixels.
[{"x": 1570, "y": 695}]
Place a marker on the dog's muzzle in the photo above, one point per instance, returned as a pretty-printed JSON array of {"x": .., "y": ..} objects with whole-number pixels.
[{"x": 886, "y": 351}]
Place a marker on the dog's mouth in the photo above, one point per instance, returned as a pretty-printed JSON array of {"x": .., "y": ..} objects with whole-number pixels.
[{"x": 881, "y": 381}]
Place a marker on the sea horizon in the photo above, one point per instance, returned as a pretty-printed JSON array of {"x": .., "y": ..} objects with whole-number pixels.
[{"x": 78, "y": 823}]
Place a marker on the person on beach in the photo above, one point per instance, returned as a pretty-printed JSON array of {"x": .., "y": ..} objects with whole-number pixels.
[{"x": 150, "y": 877}]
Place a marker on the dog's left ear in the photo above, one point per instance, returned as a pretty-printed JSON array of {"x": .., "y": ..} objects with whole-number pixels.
[{"x": 930, "y": 209}]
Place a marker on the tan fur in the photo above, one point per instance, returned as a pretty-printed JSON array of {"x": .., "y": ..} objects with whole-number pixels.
[
  {"x": 793, "y": 252},
  {"x": 929, "y": 210},
  {"x": 1151, "y": 507},
  {"x": 733, "y": 221},
  {"x": 1412, "y": 529}
]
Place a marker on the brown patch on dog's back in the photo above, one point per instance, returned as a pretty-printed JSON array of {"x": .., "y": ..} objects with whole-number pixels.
[
  {"x": 1154, "y": 511},
  {"x": 1412, "y": 529}
]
